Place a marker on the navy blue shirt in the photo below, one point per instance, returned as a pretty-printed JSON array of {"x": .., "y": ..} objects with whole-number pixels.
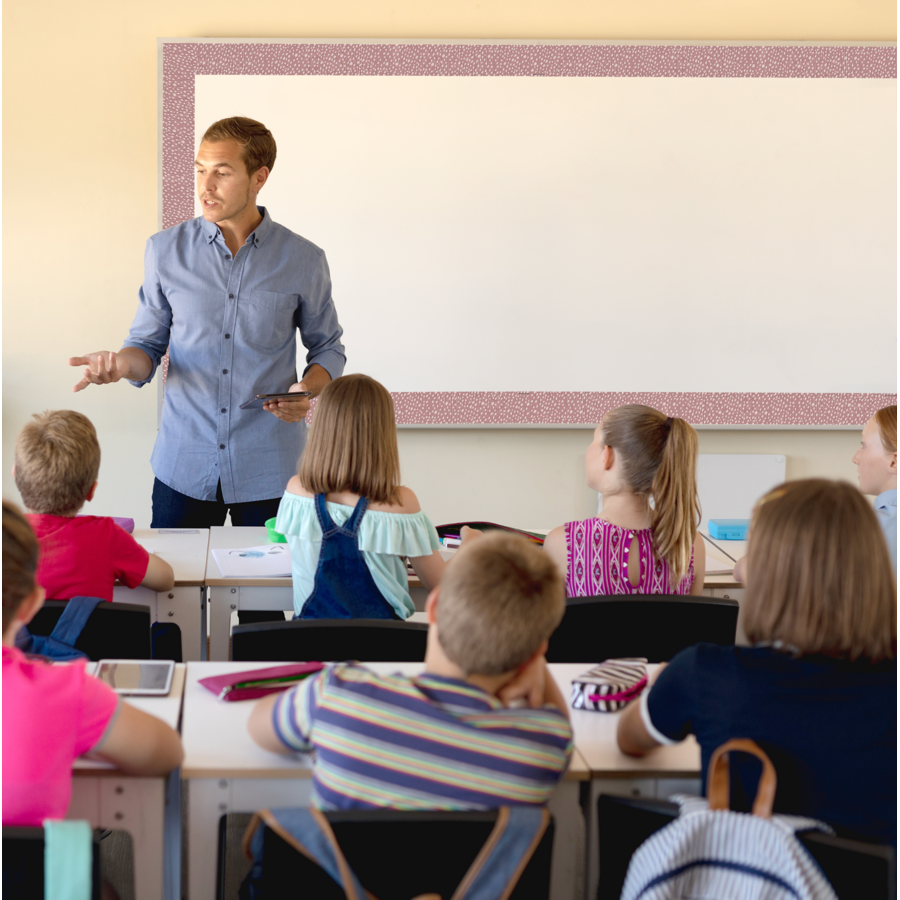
[{"x": 829, "y": 726}]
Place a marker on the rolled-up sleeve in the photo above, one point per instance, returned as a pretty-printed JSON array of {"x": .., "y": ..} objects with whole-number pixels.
[
  {"x": 150, "y": 328},
  {"x": 317, "y": 320}
]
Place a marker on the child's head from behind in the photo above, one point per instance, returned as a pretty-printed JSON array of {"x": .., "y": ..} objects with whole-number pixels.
[
  {"x": 20, "y": 559},
  {"x": 500, "y": 598},
  {"x": 876, "y": 459},
  {"x": 657, "y": 457},
  {"x": 57, "y": 462},
  {"x": 353, "y": 442},
  {"x": 819, "y": 577}
]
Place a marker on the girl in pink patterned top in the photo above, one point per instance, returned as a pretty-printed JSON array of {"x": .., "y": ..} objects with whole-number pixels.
[{"x": 645, "y": 541}]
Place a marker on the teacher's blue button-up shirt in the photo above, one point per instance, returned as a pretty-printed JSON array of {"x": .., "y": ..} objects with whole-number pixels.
[{"x": 230, "y": 326}]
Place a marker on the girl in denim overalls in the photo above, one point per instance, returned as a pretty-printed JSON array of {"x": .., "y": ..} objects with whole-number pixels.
[{"x": 348, "y": 522}]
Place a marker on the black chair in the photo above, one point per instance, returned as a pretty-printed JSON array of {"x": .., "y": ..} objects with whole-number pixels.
[
  {"x": 854, "y": 868},
  {"x": 326, "y": 640},
  {"x": 114, "y": 630},
  {"x": 655, "y": 626},
  {"x": 23, "y": 864},
  {"x": 437, "y": 850}
]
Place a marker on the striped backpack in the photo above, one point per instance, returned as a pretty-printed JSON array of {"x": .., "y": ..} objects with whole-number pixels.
[{"x": 712, "y": 853}]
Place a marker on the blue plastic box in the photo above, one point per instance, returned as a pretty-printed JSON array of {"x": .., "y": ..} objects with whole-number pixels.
[{"x": 729, "y": 529}]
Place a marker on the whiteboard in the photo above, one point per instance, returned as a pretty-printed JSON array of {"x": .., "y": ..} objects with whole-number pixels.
[{"x": 665, "y": 235}]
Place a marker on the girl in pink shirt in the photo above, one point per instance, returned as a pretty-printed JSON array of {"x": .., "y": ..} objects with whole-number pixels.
[
  {"x": 645, "y": 540},
  {"x": 55, "y": 713}
]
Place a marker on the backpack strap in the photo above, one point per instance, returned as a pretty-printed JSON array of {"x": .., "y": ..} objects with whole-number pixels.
[
  {"x": 71, "y": 623},
  {"x": 309, "y": 833},
  {"x": 68, "y": 859},
  {"x": 718, "y": 779},
  {"x": 496, "y": 870}
]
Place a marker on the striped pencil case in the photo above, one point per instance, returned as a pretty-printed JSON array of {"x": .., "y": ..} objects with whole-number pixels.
[{"x": 611, "y": 685}]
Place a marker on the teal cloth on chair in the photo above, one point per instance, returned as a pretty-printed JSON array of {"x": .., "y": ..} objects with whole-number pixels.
[{"x": 68, "y": 860}]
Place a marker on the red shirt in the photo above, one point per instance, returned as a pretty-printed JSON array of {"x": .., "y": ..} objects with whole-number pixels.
[
  {"x": 82, "y": 556},
  {"x": 51, "y": 715}
]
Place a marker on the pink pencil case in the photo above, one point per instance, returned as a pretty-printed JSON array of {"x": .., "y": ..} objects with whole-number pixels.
[
  {"x": 610, "y": 686},
  {"x": 259, "y": 682}
]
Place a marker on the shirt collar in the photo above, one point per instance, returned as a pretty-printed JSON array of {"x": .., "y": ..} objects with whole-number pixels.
[
  {"x": 886, "y": 499},
  {"x": 475, "y": 693},
  {"x": 263, "y": 230}
]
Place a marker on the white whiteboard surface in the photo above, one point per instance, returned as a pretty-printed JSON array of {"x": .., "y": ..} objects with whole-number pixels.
[
  {"x": 593, "y": 234},
  {"x": 729, "y": 484}
]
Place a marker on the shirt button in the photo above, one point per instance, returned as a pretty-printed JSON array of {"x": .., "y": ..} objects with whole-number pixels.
[
  {"x": 224, "y": 409},
  {"x": 224, "y": 371},
  {"x": 231, "y": 296},
  {"x": 227, "y": 336},
  {"x": 221, "y": 446},
  {"x": 227, "y": 256}
]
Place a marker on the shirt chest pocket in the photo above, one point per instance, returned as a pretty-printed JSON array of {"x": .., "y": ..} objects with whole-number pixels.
[{"x": 266, "y": 322}]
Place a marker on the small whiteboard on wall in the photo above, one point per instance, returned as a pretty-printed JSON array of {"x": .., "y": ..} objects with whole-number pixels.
[
  {"x": 533, "y": 233},
  {"x": 729, "y": 484}
]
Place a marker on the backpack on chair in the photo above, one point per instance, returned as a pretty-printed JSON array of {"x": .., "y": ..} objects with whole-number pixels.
[
  {"x": 59, "y": 645},
  {"x": 515, "y": 835},
  {"x": 710, "y": 852}
]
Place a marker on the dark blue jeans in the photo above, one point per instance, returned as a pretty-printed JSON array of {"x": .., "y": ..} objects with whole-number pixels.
[{"x": 172, "y": 509}]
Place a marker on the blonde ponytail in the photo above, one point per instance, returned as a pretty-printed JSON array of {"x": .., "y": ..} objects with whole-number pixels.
[
  {"x": 676, "y": 506},
  {"x": 659, "y": 459}
]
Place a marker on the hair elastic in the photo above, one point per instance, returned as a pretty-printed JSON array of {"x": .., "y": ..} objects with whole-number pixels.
[{"x": 668, "y": 423}]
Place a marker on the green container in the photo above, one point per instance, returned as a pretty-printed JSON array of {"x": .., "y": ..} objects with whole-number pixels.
[{"x": 274, "y": 536}]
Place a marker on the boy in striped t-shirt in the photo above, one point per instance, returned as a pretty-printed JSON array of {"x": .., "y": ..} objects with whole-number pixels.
[{"x": 484, "y": 726}]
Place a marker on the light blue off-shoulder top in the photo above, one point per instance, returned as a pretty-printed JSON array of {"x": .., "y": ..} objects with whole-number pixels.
[{"x": 385, "y": 539}]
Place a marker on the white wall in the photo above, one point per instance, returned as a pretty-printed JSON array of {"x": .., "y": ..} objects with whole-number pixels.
[{"x": 80, "y": 198}]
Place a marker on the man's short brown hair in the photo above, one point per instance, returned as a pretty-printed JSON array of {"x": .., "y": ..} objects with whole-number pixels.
[
  {"x": 819, "y": 577},
  {"x": 500, "y": 598},
  {"x": 20, "y": 559},
  {"x": 57, "y": 461},
  {"x": 255, "y": 140}
]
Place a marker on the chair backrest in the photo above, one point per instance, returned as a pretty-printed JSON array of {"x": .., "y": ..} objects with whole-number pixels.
[
  {"x": 114, "y": 630},
  {"x": 399, "y": 854},
  {"x": 23, "y": 864},
  {"x": 328, "y": 640},
  {"x": 854, "y": 868},
  {"x": 656, "y": 626}
]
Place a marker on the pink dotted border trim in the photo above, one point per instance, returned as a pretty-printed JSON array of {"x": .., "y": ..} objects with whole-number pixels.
[{"x": 183, "y": 61}]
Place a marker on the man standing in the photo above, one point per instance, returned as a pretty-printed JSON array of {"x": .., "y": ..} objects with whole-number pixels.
[{"x": 225, "y": 293}]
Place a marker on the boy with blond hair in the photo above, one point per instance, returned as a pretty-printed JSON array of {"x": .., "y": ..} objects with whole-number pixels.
[
  {"x": 448, "y": 738},
  {"x": 57, "y": 462}
]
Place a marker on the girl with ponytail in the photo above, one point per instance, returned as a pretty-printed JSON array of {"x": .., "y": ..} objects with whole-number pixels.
[{"x": 645, "y": 541}]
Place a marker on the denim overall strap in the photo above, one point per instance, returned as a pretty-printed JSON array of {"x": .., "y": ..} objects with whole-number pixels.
[
  {"x": 325, "y": 520},
  {"x": 344, "y": 587}
]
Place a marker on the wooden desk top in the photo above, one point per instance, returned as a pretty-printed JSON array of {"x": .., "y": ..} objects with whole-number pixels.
[
  {"x": 595, "y": 738},
  {"x": 234, "y": 537},
  {"x": 167, "y": 708},
  {"x": 185, "y": 552},
  {"x": 217, "y": 745}
]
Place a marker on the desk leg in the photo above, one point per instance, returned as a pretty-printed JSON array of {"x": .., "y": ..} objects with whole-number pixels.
[
  {"x": 211, "y": 798},
  {"x": 618, "y": 787},
  {"x": 567, "y": 870},
  {"x": 222, "y": 602},
  {"x": 184, "y": 607},
  {"x": 136, "y": 805}
]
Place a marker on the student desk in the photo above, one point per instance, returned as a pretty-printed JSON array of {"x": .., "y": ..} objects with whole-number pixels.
[
  {"x": 665, "y": 771},
  {"x": 228, "y": 595},
  {"x": 226, "y": 772},
  {"x": 148, "y": 808},
  {"x": 185, "y": 605}
]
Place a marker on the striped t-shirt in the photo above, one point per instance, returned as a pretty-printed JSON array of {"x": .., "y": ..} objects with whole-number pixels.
[{"x": 428, "y": 742}]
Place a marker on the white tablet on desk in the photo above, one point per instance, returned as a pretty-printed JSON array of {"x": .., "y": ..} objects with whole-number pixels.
[{"x": 137, "y": 677}]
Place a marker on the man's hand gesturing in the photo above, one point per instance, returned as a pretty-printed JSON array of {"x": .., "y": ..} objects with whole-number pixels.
[{"x": 102, "y": 367}]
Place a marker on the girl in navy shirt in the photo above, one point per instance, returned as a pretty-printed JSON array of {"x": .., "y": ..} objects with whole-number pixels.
[{"x": 817, "y": 690}]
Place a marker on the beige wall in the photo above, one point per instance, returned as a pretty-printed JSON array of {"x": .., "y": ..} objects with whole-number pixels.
[{"x": 80, "y": 199}]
